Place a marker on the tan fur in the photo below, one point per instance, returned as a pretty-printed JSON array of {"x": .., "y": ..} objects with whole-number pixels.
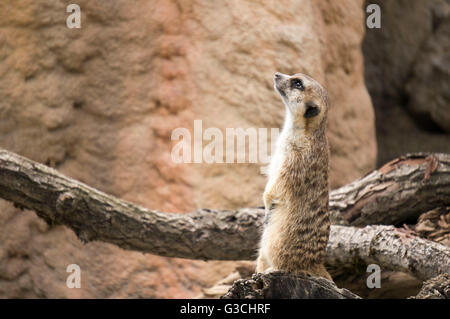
[{"x": 297, "y": 229}]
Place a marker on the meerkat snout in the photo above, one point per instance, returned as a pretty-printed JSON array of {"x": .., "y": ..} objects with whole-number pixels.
[
  {"x": 279, "y": 81},
  {"x": 279, "y": 75}
]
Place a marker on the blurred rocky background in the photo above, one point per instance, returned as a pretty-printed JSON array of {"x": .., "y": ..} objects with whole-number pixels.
[
  {"x": 100, "y": 103},
  {"x": 407, "y": 73}
]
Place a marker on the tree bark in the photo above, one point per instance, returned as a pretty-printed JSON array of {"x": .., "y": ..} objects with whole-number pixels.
[
  {"x": 388, "y": 247},
  {"x": 400, "y": 190},
  {"x": 435, "y": 288},
  {"x": 227, "y": 235},
  {"x": 279, "y": 285},
  {"x": 93, "y": 215}
]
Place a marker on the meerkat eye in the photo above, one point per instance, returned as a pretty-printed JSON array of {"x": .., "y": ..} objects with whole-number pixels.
[
  {"x": 311, "y": 110},
  {"x": 297, "y": 84}
]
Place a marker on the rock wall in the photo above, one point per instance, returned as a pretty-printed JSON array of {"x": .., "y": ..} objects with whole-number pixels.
[
  {"x": 100, "y": 104},
  {"x": 407, "y": 63}
]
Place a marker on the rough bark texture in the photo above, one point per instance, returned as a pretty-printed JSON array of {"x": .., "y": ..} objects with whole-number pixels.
[
  {"x": 387, "y": 247},
  {"x": 434, "y": 225},
  {"x": 435, "y": 288},
  {"x": 279, "y": 285},
  {"x": 93, "y": 215},
  {"x": 204, "y": 234},
  {"x": 400, "y": 190}
]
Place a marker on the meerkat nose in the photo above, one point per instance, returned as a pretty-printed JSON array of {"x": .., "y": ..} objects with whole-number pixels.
[{"x": 279, "y": 76}]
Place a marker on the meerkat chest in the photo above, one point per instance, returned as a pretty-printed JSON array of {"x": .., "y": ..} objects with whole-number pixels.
[{"x": 281, "y": 157}]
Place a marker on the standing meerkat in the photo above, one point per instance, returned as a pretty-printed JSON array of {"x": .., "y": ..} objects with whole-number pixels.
[{"x": 297, "y": 229}]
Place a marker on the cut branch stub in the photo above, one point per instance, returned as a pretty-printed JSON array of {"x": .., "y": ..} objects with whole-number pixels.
[{"x": 280, "y": 285}]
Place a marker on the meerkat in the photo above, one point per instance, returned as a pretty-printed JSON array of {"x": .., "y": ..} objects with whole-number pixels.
[{"x": 296, "y": 230}]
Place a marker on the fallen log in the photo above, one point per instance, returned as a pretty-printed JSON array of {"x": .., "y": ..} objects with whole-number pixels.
[
  {"x": 388, "y": 247},
  {"x": 401, "y": 190},
  {"x": 204, "y": 234},
  {"x": 93, "y": 215}
]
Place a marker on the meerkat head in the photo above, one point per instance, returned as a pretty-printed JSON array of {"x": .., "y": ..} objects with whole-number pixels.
[{"x": 305, "y": 99}]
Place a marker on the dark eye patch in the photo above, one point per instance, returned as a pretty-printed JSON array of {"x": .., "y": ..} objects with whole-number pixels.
[
  {"x": 311, "y": 110},
  {"x": 297, "y": 84}
]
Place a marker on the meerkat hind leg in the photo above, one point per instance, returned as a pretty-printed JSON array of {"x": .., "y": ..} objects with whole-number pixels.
[
  {"x": 262, "y": 265},
  {"x": 317, "y": 271}
]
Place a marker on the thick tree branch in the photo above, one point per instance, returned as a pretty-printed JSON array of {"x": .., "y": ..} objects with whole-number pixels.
[
  {"x": 388, "y": 247},
  {"x": 94, "y": 215},
  {"x": 227, "y": 235},
  {"x": 400, "y": 190}
]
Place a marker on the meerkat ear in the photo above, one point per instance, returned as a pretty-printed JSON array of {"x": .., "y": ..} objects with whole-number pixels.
[{"x": 311, "y": 109}]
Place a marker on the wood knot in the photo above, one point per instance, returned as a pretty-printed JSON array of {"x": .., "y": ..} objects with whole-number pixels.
[{"x": 66, "y": 203}]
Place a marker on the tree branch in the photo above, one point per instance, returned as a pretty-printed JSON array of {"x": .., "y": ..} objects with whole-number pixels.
[
  {"x": 94, "y": 215},
  {"x": 400, "y": 190},
  {"x": 388, "y": 247},
  {"x": 232, "y": 235}
]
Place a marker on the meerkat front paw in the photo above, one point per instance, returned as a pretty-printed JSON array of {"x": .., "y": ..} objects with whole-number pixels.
[{"x": 268, "y": 201}]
